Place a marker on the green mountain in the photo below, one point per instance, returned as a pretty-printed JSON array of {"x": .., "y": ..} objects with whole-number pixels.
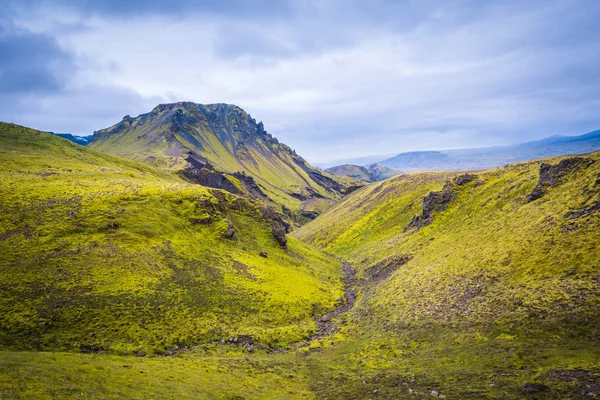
[
  {"x": 220, "y": 145},
  {"x": 102, "y": 254},
  {"x": 479, "y": 285},
  {"x": 369, "y": 174}
]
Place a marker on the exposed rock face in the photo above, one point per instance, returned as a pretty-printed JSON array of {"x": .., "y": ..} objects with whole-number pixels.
[
  {"x": 434, "y": 201},
  {"x": 210, "y": 178},
  {"x": 250, "y": 185},
  {"x": 309, "y": 214},
  {"x": 438, "y": 201},
  {"x": 278, "y": 226},
  {"x": 553, "y": 175},
  {"x": 279, "y": 234},
  {"x": 464, "y": 179},
  {"x": 230, "y": 232}
]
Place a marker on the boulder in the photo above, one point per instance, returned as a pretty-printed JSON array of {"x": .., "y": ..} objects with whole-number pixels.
[
  {"x": 464, "y": 179},
  {"x": 230, "y": 232}
]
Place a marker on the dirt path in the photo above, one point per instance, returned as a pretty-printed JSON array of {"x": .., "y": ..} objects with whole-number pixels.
[{"x": 325, "y": 325}]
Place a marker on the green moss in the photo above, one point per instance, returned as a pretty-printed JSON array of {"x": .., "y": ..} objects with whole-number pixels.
[
  {"x": 100, "y": 253},
  {"x": 103, "y": 254},
  {"x": 493, "y": 274}
]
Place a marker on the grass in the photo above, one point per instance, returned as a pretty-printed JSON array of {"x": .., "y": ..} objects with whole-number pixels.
[
  {"x": 103, "y": 254},
  {"x": 195, "y": 375},
  {"x": 112, "y": 257},
  {"x": 495, "y": 287}
]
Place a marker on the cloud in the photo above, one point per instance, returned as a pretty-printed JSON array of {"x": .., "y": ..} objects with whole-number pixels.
[
  {"x": 39, "y": 86},
  {"x": 331, "y": 78},
  {"x": 31, "y": 63}
]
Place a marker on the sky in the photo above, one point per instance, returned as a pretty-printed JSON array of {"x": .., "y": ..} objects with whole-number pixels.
[{"x": 334, "y": 79}]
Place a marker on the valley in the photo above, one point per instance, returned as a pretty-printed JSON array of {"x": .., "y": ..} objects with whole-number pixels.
[{"x": 186, "y": 253}]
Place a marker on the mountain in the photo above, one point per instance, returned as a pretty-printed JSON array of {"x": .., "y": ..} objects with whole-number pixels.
[
  {"x": 362, "y": 161},
  {"x": 485, "y": 158},
  {"x": 481, "y": 285},
  {"x": 82, "y": 140},
  {"x": 101, "y": 254},
  {"x": 220, "y": 145},
  {"x": 372, "y": 173}
]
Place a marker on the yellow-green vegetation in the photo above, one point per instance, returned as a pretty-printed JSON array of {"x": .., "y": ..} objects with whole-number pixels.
[
  {"x": 497, "y": 291},
  {"x": 487, "y": 288},
  {"x": 192, "y": 375},
  {"x": 178, "y": 135},
  {"x": 103, "y": 254}
]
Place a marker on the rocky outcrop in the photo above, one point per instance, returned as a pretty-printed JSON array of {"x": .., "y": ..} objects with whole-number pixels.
[
  {"x": 553, "y": 175},
  {"x": 434, "y": 201},
  {"x": 210, "y": 178},
  {"x": 438, "y": 201},
  {"x": 230, "y": 231},
  {"x": 464, "y": 179},
  {"x": 201, "y": 171},
  {"x": 279, "y": 227}
]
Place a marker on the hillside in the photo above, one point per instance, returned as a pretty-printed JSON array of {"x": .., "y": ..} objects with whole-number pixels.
[
  {"x": 122, "y": 280},
  {"x": 220, "y": 145},
  {"x": 484, "y": 285},
  {"x": 369, "y": 174},
  {"x": 101, "y": 254}
]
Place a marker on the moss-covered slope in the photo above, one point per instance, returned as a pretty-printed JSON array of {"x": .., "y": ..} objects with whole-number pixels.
[
  {"x": 476, "y": 284},
  {"x": 221, "y": 137},
  {"x": 100, "y": 253}
]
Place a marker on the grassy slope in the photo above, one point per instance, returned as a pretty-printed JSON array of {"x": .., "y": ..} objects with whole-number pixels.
[
  {"x": 498, "y": 291},
  {"x": 98, "y": 252},
  {"x": 215, "y": 135},
  {"x": 193, "y": 375},
  {"x": 477, "y": 311}
]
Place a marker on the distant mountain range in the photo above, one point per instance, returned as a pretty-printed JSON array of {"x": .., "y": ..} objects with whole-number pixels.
[
  {"x": 485, "y": 158},
  {"x": 82, "y": 140},
  {"x": 371, "y": 173}
]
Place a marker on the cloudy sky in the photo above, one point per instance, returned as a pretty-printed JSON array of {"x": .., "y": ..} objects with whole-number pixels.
[{"x": 331, "y": 78}]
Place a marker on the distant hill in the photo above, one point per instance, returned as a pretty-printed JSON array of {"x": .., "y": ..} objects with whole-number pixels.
[
  {"x": 372, "y": 173},
  {"x": 82, "y": 140},
  {"x": 220, "y": 145},
  {"x": 485, "y": 158}
]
